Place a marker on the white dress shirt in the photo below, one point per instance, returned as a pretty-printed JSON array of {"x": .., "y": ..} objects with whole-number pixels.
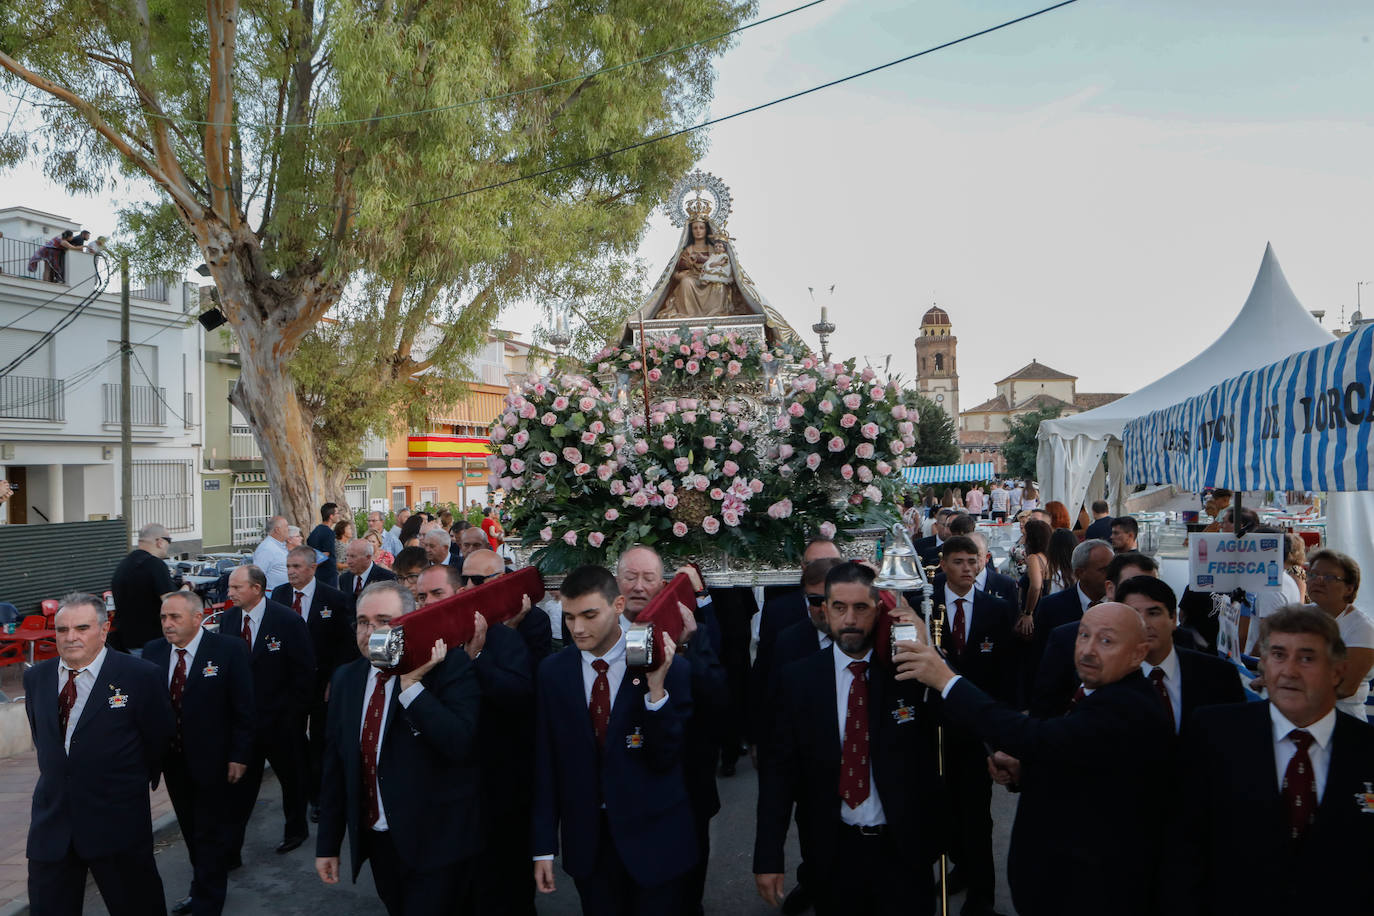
[
  {"x": 1173, "y": 683},
  {"x": 270, "y": 557},
  {"x": 1318, "y": 751},
  {"x": 191, "y": 648},
  {"x": 254, "y": 618},
  {"x": 1083, "y": 599},
  {"x": 307, "y": 596},
  {"x": 870, "y": 812},
  {"x": 85, "y": 683},
  {"x": 364, "y": 578},
  {"x": 825, "y": 642},
  {"x": 951, "y": 609},
  {"x": 407, "y": 697}
]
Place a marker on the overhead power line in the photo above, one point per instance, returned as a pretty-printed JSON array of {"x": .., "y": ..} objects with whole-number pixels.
[{"x": 745, "y": 111}]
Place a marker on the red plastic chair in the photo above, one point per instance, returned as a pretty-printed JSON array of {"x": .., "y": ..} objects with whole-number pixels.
[
  {"x": 12, "y": 654},
  {"x": 34, "y": 622},
  {"x": 45, "y": 649}
]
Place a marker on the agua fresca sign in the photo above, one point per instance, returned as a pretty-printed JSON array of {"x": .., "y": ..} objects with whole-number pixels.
[{"x": 1224, "y": 562}]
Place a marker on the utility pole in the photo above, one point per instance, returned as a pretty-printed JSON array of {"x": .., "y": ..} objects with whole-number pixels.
[{"x": 126, "y": 430}]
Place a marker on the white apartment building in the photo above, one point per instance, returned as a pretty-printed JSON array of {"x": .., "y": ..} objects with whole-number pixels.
[{"x": 60, "y": 406}]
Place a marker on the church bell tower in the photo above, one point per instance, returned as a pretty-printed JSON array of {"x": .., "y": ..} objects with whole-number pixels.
[{"x": 937, "y": 375}]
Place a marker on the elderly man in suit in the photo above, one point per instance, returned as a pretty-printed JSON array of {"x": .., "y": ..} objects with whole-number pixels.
[
  {"x": 438, "y": 545},
  {"x": 400, "y": 770},
  {"x": 484, "y": 564},
  {"x": 1115, "y": 744},
  {"x": 1286, "y": 783},
  {"x": 283, "y": 666},
  {"x": 211, "y": 690},
  {"x": 328, "y": 615},
  {"x": 360, "y": 571},
  {"x": 854, "y": 752},
  {"x": 101, "y": 722},
  {"x": 609, "y": 748}
]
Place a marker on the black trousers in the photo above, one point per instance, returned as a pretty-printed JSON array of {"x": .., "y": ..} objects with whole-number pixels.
[
  {"x": 407, "y": 891},
  {"x": 314, "y": 751},
  {"x": 128, "y": 882},
  {"x": 208, "y": 827},
  {"x": 610, "y": 891},
  {"x": 869, "y": 878},
  {"x": 694, "y": 882},
  {"x": 734, "y": 607},
  {"x": 506, "y": 883},
  {"x": 970, "y": 798},
  {"x": 284, "y": 747}
]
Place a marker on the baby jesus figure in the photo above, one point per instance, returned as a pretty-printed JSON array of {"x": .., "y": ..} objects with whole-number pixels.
[{"x": 716, "y": 268}]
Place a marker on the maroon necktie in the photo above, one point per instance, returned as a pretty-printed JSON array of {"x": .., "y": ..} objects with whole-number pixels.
[
  {"x": 178, "y": 685},
  {"x": 1157, "y": 678},
  {"x": 1300, "y": 785},
  {"x": 959, "y": 640},
  {"x": 600, "y": 706},
  {"x": 854, "y": 754},
  {"x": 371, "y": 737},
  {"x": 247, "y": 632},
  {"x": 66, "y": 699},
  {"x": 357, "y": 586},
  {"x": 1078, "y": 696},
  {"x": 296, "y": 605}
]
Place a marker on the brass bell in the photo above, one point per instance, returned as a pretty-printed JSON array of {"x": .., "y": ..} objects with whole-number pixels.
[{"x": 901, "y": 569}]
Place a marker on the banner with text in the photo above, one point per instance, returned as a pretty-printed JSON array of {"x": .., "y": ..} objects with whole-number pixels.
[
  {"x": 1303, "y": 423},
  {"x": 1224, "y": 562}
]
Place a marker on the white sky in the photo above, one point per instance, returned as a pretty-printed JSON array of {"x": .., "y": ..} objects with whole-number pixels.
[{"x": 1093, "y": 188}]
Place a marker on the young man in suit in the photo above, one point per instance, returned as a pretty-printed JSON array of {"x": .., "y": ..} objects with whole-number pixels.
[
  {"x": 400, "y": 770},
  {"x": 639, "y": 577},
  {"x": 609, "y": 747},
  {"x": 322, "y": 539},
  {"x": 211, "y": 690},
  {"x": 1114, "y": 748},
  {"x": 981, "y": 644},
  {"x": 101, "y": 722},
  {"x": 283, "y": 665},
  {"x": 988, "y": 580},
  {"x": 854, "y": 753},
  {"x": 328, "y": 615},
  {"x": 1184, "y": 680},
  {"x": 505, "y": 751},
  {"x": 1286, "y": 783},
  {"x": 360, "y": 571}
]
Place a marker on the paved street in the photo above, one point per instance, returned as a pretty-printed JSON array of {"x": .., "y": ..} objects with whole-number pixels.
[{"x": 287, "y": 886}]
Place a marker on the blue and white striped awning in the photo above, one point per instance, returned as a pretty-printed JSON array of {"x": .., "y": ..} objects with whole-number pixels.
[
  {"x": 949, "y": 473},
  {"x": 1303, "y": 423}
]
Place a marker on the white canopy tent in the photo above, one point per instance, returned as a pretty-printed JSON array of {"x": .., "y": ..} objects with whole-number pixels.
[{"x": 1271, "y": 326}]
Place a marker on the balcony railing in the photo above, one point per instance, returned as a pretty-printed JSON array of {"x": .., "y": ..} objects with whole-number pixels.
[
  {"x": 155, "y": 290},
  {"x": 374, "y": 448},
  {"x": 148, "y": 405},
  {"x": 25, "y": 398},
  {"x": 491, "y": 373},
  {"x": 15, "y": 255},
  {"x": 242, "y": 445}
]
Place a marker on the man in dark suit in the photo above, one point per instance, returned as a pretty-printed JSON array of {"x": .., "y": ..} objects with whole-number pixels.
[
  {"x": 535, "y": 629},
  {"x": 609, "y": 747},
  {"x": 101, "y": 722},
  {"x": 211, "y": 690},
  {"x": 1114, "y": 747},
  {"x": 988, "y": 580},
  {"x": 785, "y": 607},
  {"x": 1286, "y": 783},
  {"x": 639, "y": 577},
  {"x": 928, "y": 548},
  {"x": 981, "y": 646},
  {"x": 138, "y": 584},
  {"x": 360, "y": 571},
  {"x": 328, "y": 615},
  {"x": 438, "y": 545},
  {"x": 322, "y": 539},
  {"x": 283, "y": 665},
  {"x": 505, "y": 751},
  {"x": 854, "y": 752},
  {"x": 406, "y": 787},
  {"x": 1101, "y": 527},
  {"x": 1090, "y": 560}
]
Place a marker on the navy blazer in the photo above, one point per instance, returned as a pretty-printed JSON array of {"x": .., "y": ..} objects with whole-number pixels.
[
  {"x": 710, "y": 708},
  {"x": 989, "y": 656},
  {"x": 216, "y": 705},
  {"x": 330, "y": 622},
  {"x": 793, "y": 644},
  {"x": 1115, "y": 744},
  {"x": 994, "y": 583},
  {"x": 283, "y": 664},
  {"x": 1233, "y": 817},
  {"x": 377, "y": 574},
  {"x": 1053, "y": 611},
  {"x": 427, "y": 770},
  {"x": 779, "y": 613},
  {"x": 505, "y": 744},
  {"x": 94, "y": 799},
  {"x": 639, "y": 776},
  {"x": 803, "y": 766}
]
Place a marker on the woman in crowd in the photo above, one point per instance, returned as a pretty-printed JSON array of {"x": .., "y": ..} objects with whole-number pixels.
[
  {"x": 1059, "y": 515},
  {"x": 410, "y": 531},
  {"x": 1036, "y": 535},
  {"x": 1297, "y": 563},
  {"x": 973, "y": 501},
  {"x": 1030, "y": 497},
  {"x": 1060, "y": 557},
  {"x": 1333, "y": 581},
  {"x": 343, "y": 533},
  {"x": 911, "y": 517},
  {"x": 958, "y": 496},
  {"x": 380, "y": 555}
]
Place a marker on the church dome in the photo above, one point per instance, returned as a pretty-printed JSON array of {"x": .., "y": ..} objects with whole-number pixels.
[{"x": 935, "y": 315}]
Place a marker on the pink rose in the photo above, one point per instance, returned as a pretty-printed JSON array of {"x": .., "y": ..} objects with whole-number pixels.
[
  {"x": 587, "y": 403},
  {"x": 617, "y": 488},
  {"x": 637, "y": 421},
  {"x": 785, "y": 451},
  {"x": 884, "y": 468},
  {"x": 847, "y": 472},
  {"x": 508, "y": 418},
  {"x": 813, "y": 461},
  {"x": 843, "y": 382},
  {"x": 548, "y": 459},
  {"x": 905, "y": 428},
  {"x": 641, "y": 447},
  {"x": 612, "y": 514},
  {"x": 608, "y": 449},
  {"x": 836, "y": 444},
  {"x": 730, "y": 468},
  {"x": 736, "y": 446},
  {"x": 570, "y": 538},
  {"x": 517, "y": 482},
  {"x": 717, "y": 372},
  {"x": 571, "y": 455},
  {"x": 899, "y": 412},
  {"x": 617, "y": 415},
  {"x": 655, "y": 375},
  {"x": 852, "y": 401},
  {"x": 873, "y": 494},
  {"x": 717, "y": 494},
  {"x": 680, "y": 465},
  {"x": 795, "y": 409},
  {"x": 700, "y": 484},
  {"x": 710, "y": 524},
  {"x": 848, "y": 420},
  {"x": 589, "y": 438},
  {"x": 640, "y": 500},
  {"x": 679, "y": 528},
  {"x": 548, "y": 419},
  {"x": 689, "y": 416},
  {"x": 670, "y": 502},
  {"x": 596, "y": 538},
  {"x": 708, "y": 441},
  {"x": 863, "y": 450},
  {"x": 498, "y": 433},
  {"x": 546, "y": 534},
  {"x": 658, "y": 418},
  {"x": 497, "y": 465},
  {"x": 875, "y": 393},
  {"x": 780, "y": 509},
  {"x": 677, "y": 364},
  {"x": 827, "y": 529},
  {"x": 635, "y": 365},
  {"x": 685, "y": 350},
  {"x": 733, "y": 368},
  {"x": 597, "y": 427},
  {"x": 870, "y": 430},
  {"x": 730, "y": 517},
  {"x": 580, "y": 469},
  {"x": 560, "y": 403},
  {"x": 521, "y": 439},
  {"x": 693, "y": 367},
  {"x": 865, "y": 473},
  {"x": 756, "y": 486},
  {"x": 666, "y": 487},
  {"x": 868, "y": 374},
  {"x": 811, "y": 434},
  {"x": 716, "y": 416},
  {"x": 517, "y": 466},
  {"x": 825, "y": 406},
  {"x": 782, "y": 424},
  {"x": 507, "y": 449},
  {"x": 713, "y": 340},
  {"x": 896, "y": 446},
  {"x": 669, "y": 442}
]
